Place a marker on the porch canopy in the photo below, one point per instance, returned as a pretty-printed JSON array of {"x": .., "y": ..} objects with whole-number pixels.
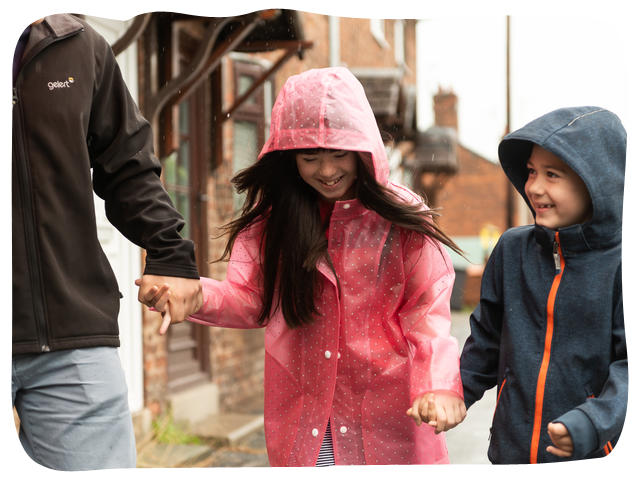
[{"x": 265, "y": 30}]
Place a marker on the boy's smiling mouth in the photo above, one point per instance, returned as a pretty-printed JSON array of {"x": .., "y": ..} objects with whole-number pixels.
[{"x": 543, "y": 206}]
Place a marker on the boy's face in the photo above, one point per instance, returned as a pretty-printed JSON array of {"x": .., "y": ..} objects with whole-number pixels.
[
  {"x": 556, "y": 193},
  {"x": 331, "y": 173}
]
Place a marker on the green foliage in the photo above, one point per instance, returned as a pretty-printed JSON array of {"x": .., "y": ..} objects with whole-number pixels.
[{"x": 167, "y": 431}]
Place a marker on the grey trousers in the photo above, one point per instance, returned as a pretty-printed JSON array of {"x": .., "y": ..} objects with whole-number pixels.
[{"x": 73, "y": 409}]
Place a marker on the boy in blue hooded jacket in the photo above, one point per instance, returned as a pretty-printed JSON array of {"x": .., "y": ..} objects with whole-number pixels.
[{"x": 549, "y": 328}]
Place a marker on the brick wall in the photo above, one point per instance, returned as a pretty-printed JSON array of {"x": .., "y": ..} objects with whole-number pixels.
[
  {"x": 445, "y": 109},
  {"x": 475, "y": 196},
  {"x": 358, "y": 47},
  {"x": 154, "y": 359}
]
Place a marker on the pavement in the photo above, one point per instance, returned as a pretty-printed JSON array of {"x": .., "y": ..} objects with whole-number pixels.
[
  {"x": 236, "y": 439},
  {"x": 228, "y": 439},
  {"x": 250, "y": 451}
]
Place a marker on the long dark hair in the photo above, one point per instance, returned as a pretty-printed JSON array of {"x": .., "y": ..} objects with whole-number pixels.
[{"x": 293, "y": 240}]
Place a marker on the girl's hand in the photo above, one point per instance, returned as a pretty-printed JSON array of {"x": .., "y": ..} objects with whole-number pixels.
[
  {"x": 441, "y": 410},
  {"x": 562, "y": 442},
  {"x": 424, "y": 410}
]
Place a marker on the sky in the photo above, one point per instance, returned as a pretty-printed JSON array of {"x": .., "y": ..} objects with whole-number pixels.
[
  {"x": 556, "y": 61},
  {"x": 563, "y": 53}
]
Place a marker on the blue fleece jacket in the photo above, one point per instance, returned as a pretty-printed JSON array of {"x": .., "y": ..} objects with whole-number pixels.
[{"x": 549, "y": 328}]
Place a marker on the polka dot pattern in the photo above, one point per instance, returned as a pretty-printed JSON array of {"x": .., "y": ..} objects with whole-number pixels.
[{"x": 382, "y": 336}]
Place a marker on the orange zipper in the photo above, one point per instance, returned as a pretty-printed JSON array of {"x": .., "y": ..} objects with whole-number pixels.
[{"x": 546, "y": 356}]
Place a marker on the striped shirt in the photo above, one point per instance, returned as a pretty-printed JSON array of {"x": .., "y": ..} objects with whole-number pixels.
[{"x": 325, "y": 457}]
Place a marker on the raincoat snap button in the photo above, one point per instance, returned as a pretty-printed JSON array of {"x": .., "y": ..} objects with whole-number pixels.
[
  {"x": 338, "y": 354},
  {"x": 346, "y": 205},
  {"x": 327, "y": 354},
  {"x": 314, "y": 432},
  {"x": 343, "y": 429}
]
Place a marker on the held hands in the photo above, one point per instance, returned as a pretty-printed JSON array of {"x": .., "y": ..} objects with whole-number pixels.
[
  {"x": 175, "y": 297},
  {"x": 562, "y": 442},
  {"x": 441, "y": 410}
]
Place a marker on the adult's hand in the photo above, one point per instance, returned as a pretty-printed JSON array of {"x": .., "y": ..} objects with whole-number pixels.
[{"x": 176, "y": 297}]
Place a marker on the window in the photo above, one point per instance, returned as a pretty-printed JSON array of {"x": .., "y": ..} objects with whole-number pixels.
[{"x": 249, "y": 125}]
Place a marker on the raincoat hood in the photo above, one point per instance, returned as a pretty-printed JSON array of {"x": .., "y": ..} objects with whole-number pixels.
[
  {"x": 327, "y": 108},
  {"x": 593, "y": 142}
]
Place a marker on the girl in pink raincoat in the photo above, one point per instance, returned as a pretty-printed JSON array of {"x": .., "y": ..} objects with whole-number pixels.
[{"x": 347, "y": 273}]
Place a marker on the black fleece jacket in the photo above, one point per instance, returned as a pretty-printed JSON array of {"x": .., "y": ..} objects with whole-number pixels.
[{"x": 75, "y": 126}]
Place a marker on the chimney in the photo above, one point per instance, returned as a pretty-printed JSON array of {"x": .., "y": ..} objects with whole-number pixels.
[{"x": 445, "y": 109}]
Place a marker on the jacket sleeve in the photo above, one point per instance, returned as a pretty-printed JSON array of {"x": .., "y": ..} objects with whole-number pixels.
[
  {"x": 126, "y": 174},
  {"x": 235, "y": 302},
  {"x": 479, "y": 358},
  {"x": 600, "y": 419},
  {"x": 425, "y": 317}
]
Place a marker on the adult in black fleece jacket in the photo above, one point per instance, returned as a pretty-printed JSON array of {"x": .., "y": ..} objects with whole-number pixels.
[
  {"x": 76, "y": 129},
  {"x": 549, "y": 329}
]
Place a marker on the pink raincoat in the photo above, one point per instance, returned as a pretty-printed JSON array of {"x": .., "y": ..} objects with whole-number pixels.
[{"x": 383, "y": 335}]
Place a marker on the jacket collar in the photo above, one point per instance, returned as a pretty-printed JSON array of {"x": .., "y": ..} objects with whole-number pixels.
[
  {"x": 63, "y": 25},
  {"x": 572, "y": 239},
  {"x": 52, "y": 28},
  {"x": 345, "y": 209}
]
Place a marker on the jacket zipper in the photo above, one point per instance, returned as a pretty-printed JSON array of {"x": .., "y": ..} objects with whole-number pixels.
[
  {"x": 28, "y": 216},
  {"x": 546, "y": 356}
]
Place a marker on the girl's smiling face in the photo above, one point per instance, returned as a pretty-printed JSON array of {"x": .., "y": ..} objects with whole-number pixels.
[
  {"x": 557, "y": 194},
  {"x": 331, "y": 173}
]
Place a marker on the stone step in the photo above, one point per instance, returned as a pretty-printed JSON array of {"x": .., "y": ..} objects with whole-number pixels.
[
  {"x": 173, "y": 456},
  {"x": 227, "y": 428}
]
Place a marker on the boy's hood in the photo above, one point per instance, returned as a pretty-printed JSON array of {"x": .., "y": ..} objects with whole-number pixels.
[
  {"x": 593, "y": 142},
  {"x": 327, "y": 108}
]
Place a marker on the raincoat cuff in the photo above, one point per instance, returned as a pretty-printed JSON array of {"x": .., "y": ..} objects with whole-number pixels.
[
  {"x": 451, "y": 390},
  {"x": 453, "y": 385},
  {"x": 207, "y": 287}
]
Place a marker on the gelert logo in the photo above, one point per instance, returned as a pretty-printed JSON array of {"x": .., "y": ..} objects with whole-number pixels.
[{"x": 61, "y": 84}]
